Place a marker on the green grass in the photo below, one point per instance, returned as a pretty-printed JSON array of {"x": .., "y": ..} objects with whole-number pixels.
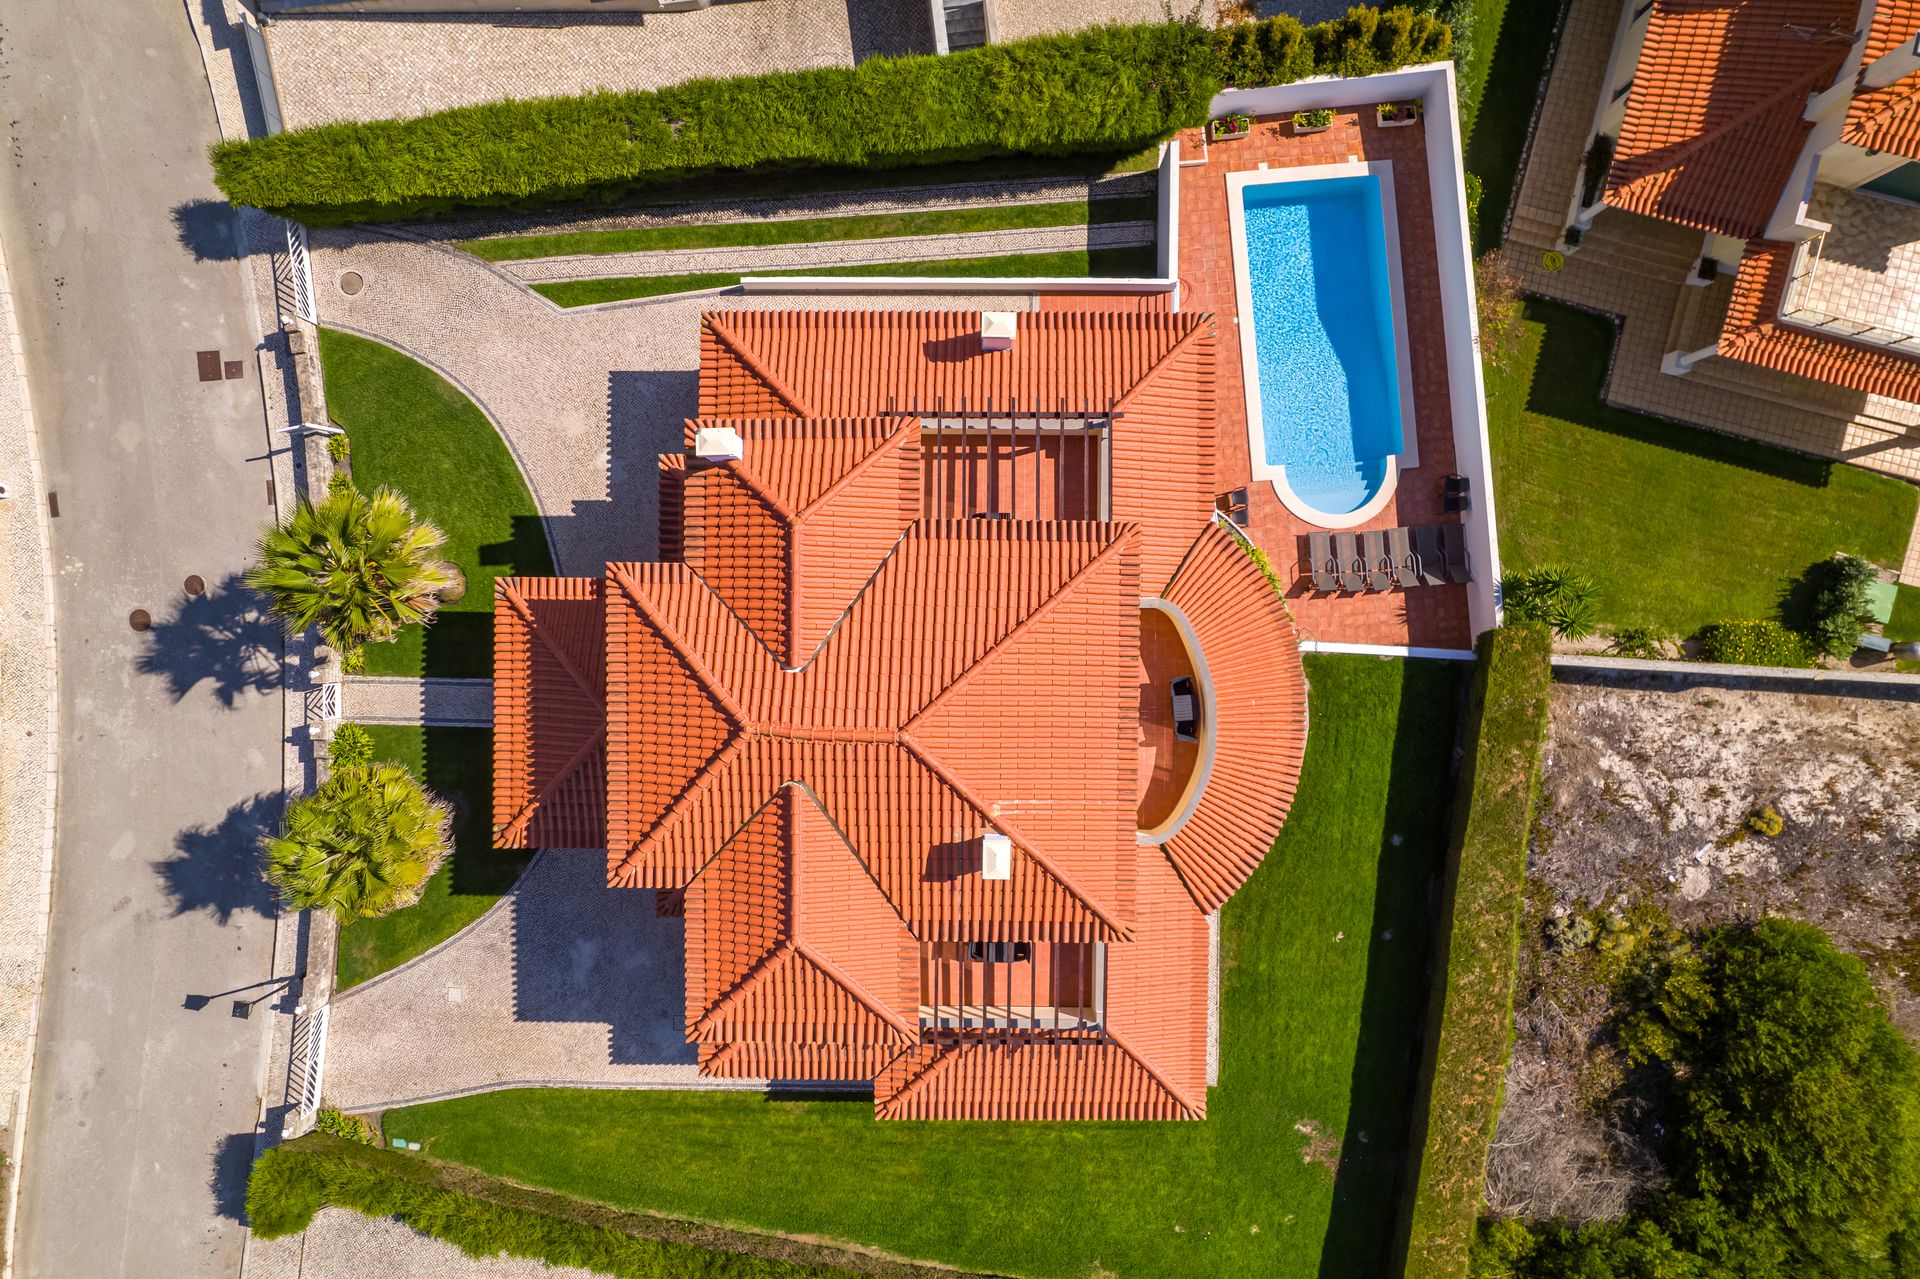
[
  {"x": 1323, "y": 958},
  {"x": 1904, "y": 625},
  {"x": 414, "y": 431},
  {"x": 1471, "y": 1028},
  {"x": 457, "y": 765},
  {"x": 874, "y": 226},
  {"x": 1138, "y": 260},
  {"x": 1679, "y": 527},
  {"x": 1510, "y": 45}
]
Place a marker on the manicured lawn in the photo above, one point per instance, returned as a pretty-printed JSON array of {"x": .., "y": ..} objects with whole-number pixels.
[
  {"x": 414, "y": 431},
  {"x": 457, "y": 765},
  {"x": 1905, "y": 624},
  {"x": 1135, "y": 261},
  {"x": 1510, "y": 57},
  {"x": 1679, "y": 527},
  {"x": 997, "y": 217},
  {"x": 1323, "y": 958}
]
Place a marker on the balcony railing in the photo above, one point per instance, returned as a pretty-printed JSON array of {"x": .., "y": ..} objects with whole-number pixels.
[{"x": 1796, "y": 309}]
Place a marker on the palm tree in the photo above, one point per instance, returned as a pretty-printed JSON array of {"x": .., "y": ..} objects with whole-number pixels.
[
  {"x": 359, "y": 567},
  {"x": 364, "y": 844}
]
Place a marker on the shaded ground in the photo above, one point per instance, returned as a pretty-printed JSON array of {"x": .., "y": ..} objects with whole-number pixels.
[{"x": 1647, "y": 789}]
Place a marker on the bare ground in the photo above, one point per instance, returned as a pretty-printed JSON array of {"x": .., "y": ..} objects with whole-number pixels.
[{"x": 1647, "y": 788}]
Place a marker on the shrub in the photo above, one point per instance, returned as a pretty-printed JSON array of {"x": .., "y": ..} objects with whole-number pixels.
[
  {"x": 363, "y": 845},
  {"x": 1103, "y": 90},
  {"x": 1766, "y": 821},
  {"x": 1643, "y": 642},
  {"x": 1317, "y": 118},
  {"x": 1551, "y": 595},
  {"x": 1470, "y": 1017},
  {"x": 1475, "y": 190},
  {"x": 337, "y": 448},
  {"x": 351, "y": 746},
  {"x": 1755, "y": 643},
  {"x": 1840, "y": 603},
  {"x": 339, "y": 482},
  {"x": 339, "y": 1123},
  {"x": 1501, "y": 311}
]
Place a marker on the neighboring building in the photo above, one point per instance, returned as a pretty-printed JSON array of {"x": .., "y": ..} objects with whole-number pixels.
[
  {"x": 1788, "y": 133},
  {"x": 949, "y": 719}
]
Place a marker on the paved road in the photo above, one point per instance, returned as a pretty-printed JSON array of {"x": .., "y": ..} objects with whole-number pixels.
[{"x": 143, "y": 1110}]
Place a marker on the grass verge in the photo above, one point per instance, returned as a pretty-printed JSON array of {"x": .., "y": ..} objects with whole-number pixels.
[
  {"x": 485, "y": 1218},
  {"x": 1513, "y": 39},
  {"x": 999, "y": 217},
  {"x": 1679, "y": 527},
  {"x": 456, "y": 764},
  {"x": 1291, "y": 1175},
  {"x": 413, "y": 431},
  {"x": 1137, "y": 260},
  {"x": 1470, "y": 1023},
  {"x": 1904, "y": 625}
]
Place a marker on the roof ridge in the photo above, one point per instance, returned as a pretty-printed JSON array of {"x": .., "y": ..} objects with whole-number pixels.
[
  {"x": 853, "y": 988},
  {"x": 517, "y": 827},
  {"x": 1673, "y": 156},
  {"x": 746, "y": 355},
  {"x": 723, "y": 760},
  {"x": 748, "y": 979},
  {"x": 918, "y": 1079},
  {"x": 520, "y": 605},
  {"x": 1202, "y": 323},
  {"x": 861, "y": 467},
  {"x": 1118, "y": 1041},
  {"x": 709, "y": 680}
]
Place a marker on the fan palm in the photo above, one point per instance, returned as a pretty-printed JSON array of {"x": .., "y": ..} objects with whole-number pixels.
[
  {"x": 359, "y": 567},
  {"x": 364, "y": 844}
]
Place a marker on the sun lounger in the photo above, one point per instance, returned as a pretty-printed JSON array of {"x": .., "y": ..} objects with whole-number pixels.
[
  {"x": 1320, "y": 562},
  {"x": 1348, "y": 570},
  {"x": 1428, "y": 561},
  {"x": 1453, "y": 545},
  {"x": 1405, "y": 563},
  {"x": 1379, "y": 569}
]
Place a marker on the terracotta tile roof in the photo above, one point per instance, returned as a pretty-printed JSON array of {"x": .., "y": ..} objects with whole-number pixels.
[
  {"x": 549, "y": 714},
  {"x": 1887, "y": 118},
  {"x": 1716, "y": 116},
  {"x": 1259, "y": 705},
  {"x": 811, "y": 712},
  {"x": 1754, "y": 333}
]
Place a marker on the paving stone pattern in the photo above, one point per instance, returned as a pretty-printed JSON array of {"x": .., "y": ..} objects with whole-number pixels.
[
  {"x": 341, "y": 1244},
  {"x": 383, "y": 699},
  {"x": 825, "y": 255},
  {"x": 1636, "y": 267},
  {"x": 1869, "y": 264}
]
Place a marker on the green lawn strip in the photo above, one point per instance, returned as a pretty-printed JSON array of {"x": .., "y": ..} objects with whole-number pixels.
[
  {"x": 1470, "y": 1025},
  {"x": 484, "y": 1218},
  {"x": 1323, "y": 956},
  {"x": 1138, "y": 260},
  {"x": 1905, "y": 625},
  {"x": 999, "y": 217},
  {"x": 1514, "y": 40},
  {"x": 456, "y": 764},
  {"x": 413, "y": 431},
  {"x": 1677, "y": 526}
]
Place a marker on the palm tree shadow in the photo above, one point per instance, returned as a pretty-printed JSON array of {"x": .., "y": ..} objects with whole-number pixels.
[
  {"x": 217, "y": 867},
  {"x": 223, "y": 636}
]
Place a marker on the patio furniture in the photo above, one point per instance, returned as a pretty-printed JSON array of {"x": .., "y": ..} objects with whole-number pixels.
[
  {"x": 1379, "y": 568},
  {"x": 1233, "y": 505},
  {"x": 1455, "y": 498},
  {"x": 1186, "y": 710},
  {"x": 1349, "y": 572},
  {"x": 1406, "y": 565},
  {"x": 1320, "y": 562},
  {"x": 1429, "y": 562},
  {"x": 1453, "y": 545}
]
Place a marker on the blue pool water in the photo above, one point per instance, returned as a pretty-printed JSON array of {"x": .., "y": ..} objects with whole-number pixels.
[{"x": 1323, "y": 335}]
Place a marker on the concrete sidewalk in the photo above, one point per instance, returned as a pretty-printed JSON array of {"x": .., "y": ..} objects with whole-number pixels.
[{"x": 438, "y": 703}]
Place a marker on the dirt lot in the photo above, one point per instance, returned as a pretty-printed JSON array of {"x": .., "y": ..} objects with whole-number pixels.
[{"x": 1647, "y": 790}]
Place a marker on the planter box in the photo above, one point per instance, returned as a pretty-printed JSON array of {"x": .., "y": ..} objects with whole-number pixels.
[
  {"x": 1400, "y": 118},
  {"x": 1300, "y": 127},
  {"x": 1225, "y": 130}
]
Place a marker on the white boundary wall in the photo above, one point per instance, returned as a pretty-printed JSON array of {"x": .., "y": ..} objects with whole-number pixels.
[{"x": 1433, "y": 84}]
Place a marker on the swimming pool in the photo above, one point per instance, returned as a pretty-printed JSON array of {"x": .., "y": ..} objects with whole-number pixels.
[{"x": 1322, "y": 333}]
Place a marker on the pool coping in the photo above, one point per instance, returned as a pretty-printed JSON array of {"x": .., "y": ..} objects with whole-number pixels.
[{"x": 1407, "y": 456}]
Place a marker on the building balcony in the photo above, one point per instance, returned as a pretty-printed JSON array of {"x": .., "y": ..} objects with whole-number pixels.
[{"x": 1859, "y": 280}]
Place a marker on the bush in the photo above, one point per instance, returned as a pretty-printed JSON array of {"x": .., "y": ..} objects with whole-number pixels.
[
  {"x": 1475, "y": 189},
  {"x": 337, "y": 448},
  {"x": 1470, "y": 1021},
  {"x": 1757, "y": 643},
  {"x": 1646, "y": 643},
  {"x": 1107, "y": 89},
  {"x": 1840, "y": 605},
  {"x": 351, "y": 746},
  {"x": 338, "y": 1123},
  {"x": 1503, "y": 329},
  {"x": 1766, "y": 821},
  {"x": 1566, "y": 602}
]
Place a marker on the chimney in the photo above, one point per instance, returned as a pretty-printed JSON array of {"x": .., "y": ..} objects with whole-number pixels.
[
  {"x": 1896, "y": 63},
  {"x": 718, "y": 444},
  {"x": 996, "y": 856},
  {"x": 997, "y": 329}
]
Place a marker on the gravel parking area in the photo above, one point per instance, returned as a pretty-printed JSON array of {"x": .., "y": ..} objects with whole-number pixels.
[{"x": 341, "y": 1244}]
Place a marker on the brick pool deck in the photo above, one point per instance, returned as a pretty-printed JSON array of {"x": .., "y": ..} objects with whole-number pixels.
[{"x": 1431, "y": 616}]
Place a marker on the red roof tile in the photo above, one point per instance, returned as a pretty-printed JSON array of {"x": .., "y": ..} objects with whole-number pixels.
[
  {"x": 1887, "y": 118},
  {"x": 549, "y": 715},
  {"x": 1754, "y": 333},
  {"x": 1086, "y": 1078},
  {"x": 1716, "y": 116}
]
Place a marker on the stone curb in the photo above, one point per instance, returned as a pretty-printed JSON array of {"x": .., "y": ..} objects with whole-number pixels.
[
  {"x": 506, "y": 899},
  {"x": 697, "y": 1084}
]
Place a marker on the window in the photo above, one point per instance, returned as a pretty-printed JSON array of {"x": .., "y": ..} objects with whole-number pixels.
[{"x": 1000, "y": 952}]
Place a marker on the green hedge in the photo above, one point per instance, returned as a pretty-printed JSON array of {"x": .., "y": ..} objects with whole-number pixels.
[
  {"x": 484, "y": 1218},
  {"x": 1470, "y": 1019},
  {"x": 1107, "y": 89},
  {"x": 1762, "y": 642}
]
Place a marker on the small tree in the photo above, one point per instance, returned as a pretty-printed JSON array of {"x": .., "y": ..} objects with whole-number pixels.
[
  {"x": 1840, "y": 603},
  {"x": 362, "y": 845},
  {"x": 1502, "y": 329},
  {"x": 359, "y": 567},
  {"x": 1553, "y": 596}
]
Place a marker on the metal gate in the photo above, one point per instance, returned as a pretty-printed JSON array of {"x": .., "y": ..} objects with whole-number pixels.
[
  {"x": 305, "y": 1068},
  {"x": 299, "y": 274}
]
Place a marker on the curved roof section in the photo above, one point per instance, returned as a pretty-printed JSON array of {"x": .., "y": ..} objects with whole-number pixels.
[
  {"x": 1258, "y": 700},
  {"x": 1716, "y": 116},
  {"x": 549, "y": 715}
]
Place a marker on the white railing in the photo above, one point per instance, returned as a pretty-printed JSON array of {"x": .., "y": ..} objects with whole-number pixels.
[
  {"x": 298, "y": 284},
  {"x": 1795, "y": 310},
  {"x": 305, "y": 1069}
]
